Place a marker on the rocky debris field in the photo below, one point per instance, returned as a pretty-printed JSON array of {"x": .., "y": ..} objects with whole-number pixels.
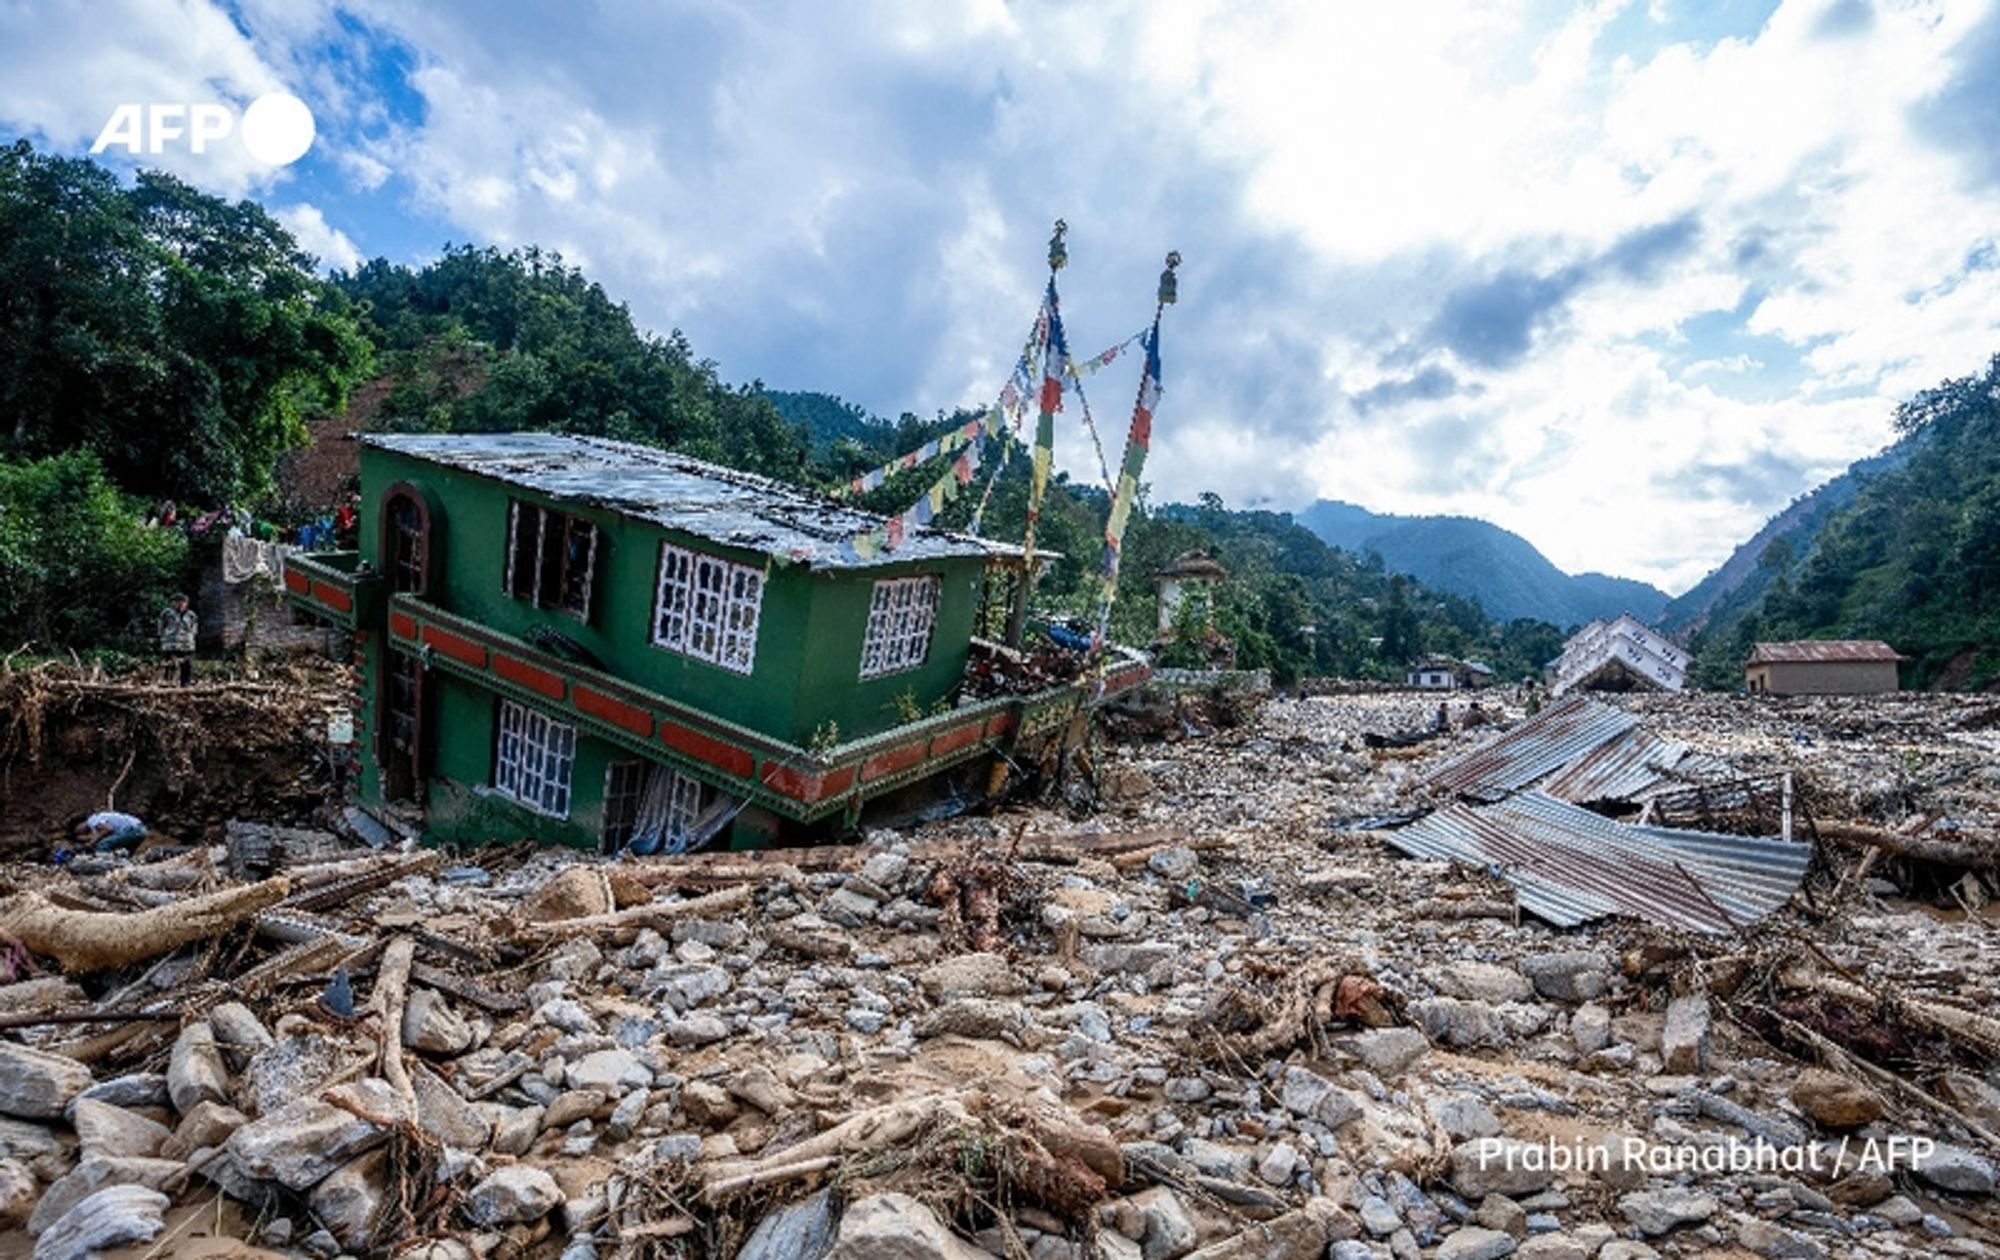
[{"x": 1217, "y": 1017}]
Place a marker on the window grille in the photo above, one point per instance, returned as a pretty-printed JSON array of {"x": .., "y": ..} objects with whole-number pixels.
[{"x": 901, "y": 614}]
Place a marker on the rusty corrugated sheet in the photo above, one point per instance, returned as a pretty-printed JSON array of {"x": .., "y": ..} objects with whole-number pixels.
[
  {"x": 1567, "y": 730},
  {"x": 1568, "y": 865},
  {"x": 1631, "y": 767}
]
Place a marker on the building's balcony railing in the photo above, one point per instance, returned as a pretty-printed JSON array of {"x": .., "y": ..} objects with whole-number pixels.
[
  {"x": 805, "y": 784},
  {"x": 335, "y": 585}
]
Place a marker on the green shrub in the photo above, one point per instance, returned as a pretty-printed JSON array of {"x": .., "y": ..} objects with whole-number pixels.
[{"x": 77, "y": 565}]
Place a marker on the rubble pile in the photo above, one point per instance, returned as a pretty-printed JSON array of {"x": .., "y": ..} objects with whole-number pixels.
[{"x": 1205, "y": 1022}]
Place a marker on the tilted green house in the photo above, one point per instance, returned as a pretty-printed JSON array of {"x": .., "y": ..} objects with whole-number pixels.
[{"x": 592, "y": 642}]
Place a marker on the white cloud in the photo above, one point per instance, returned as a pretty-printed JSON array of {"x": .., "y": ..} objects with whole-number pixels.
[
  {"x": 317, "y": 237},
  {"x": 1524, "y": 238}
]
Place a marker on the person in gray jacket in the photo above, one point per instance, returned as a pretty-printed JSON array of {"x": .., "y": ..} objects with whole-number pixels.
[{"x": 177, "y": 627}]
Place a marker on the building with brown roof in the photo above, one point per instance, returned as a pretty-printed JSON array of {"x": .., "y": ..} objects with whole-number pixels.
[{"x": 1822, "y": 667}]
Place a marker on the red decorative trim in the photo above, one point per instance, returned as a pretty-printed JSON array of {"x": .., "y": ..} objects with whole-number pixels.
[
  {"x": 603, "y": 707},
  {"x": 999, "y": 725},
  {"x": 455, "y": 646},
  {"x": 809, "y": 788},
  {"x": 895, "y": 761},
  {"x": 332, "y": 596},
  {"x": 402, "y": 625},
  {"x": 953, "y": 740},
  {"x": 533, "y": 678},
  {"x": 707, "y": 749},
  {"x": 295, "y": 580}
]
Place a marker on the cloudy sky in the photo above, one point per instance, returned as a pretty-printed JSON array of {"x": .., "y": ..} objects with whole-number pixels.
[{"x": 1625, "y": 277}]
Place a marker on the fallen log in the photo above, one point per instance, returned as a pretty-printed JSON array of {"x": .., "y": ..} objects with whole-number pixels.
[
  {"x": 1978, "y": 851},
  {"x": 1982, "y": 1031},
  {"x": 86, "y": 940},
  {"x": 875, "y": 1129},
  {"x": 652, "y": 914}
]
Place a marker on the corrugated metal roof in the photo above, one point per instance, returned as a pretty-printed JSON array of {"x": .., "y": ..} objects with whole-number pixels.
[
  {"x": 1822, "y": 651},
  {"x": 1560, "y": 734},
  {"x": 1630, "y": 767},
  {"x": 1569, "y": 866},
  {"x": 690, "y": 495}
]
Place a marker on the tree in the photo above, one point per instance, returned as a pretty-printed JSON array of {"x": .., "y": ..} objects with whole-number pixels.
[{"x": 177, "y": 336}]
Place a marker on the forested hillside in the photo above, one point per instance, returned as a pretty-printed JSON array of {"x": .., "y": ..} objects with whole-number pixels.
[
  {"x": 1912, "y": 556},
  {"x": 156, "y": 342}
]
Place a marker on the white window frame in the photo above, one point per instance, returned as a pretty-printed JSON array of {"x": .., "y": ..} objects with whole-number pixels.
[
  {"x": 902, "y": 613},
  {"x": 517, "y": 510},
  {"x": 534, "y": 759},
  {"x": 707, "y": 607}
]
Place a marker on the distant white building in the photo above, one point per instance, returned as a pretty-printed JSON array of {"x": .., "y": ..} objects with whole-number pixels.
[
  {"x": 1444, "y": 673},
  {"x": 1621, "y": 655}
]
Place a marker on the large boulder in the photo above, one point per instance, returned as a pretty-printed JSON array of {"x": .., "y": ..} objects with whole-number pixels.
[
  {"x": 98, "y": 1173},
  {"x": 196, "y": 1072},
  {"x": 109, "y": 1218},
  {"x": 300, "y": 1143},
  {"x": 1495, "y": 1165},
  {"x": 516, "y": 1194},
  {"x": 1836, "y": 1101},
  {"x": 897, "y": 1227},
  {"x": 37, "y": 1085},
  {"x": 1481, "y": 982}
]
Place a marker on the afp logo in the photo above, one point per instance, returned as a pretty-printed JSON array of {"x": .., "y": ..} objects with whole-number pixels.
[{"x": 276, "y": 128}]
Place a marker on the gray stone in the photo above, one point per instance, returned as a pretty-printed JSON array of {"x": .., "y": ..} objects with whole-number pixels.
[
  {"x": 1279, "y": 1164},
  {"x": 1570, "y": 976},
  {"x": 573, "y": 1105},
  {"x": 45, "y": 1152},
  {"x": 1378, "y": 1216},
  {"x": 849, "y": 908},
  {"x": 103, "y": 1129},
  {"x": 972, "y": 975},
  {"x": 1307, "y": 1094},
  {"x": 108, "y": 1218},
  {"x": 1176, "y": 865},
  {"x": 1463, "y": 1116},
  {"x": 291, "y": 1069},
  {"x": 516, "y": 1131},
  {"x": 1167, "y": 1230},
  {"x": 708, "y": 1105},
  {"x": 1769, "y": 1239},
  {"x": 37, "y": 1085},
  {"x": 1684, "y": 1040},
  {"x": 347, "y": 1201},
  {"x": 616, "y": 1072},
  {"x": 1460, "y": 1023},
  {"x": 885, "y": 869},
  {"x": 300, "y": 1143},
  {"x": 517, "y": 1193},
  {"x": 1482, "y": 982},
  {"x": 759, "y": 1086},
  {"x": 1136, "y": 958},
  {"x": 239, "y": 1034},
  {"x": 196, "y": 1072},
  {"x": 1590, "y": 1028},
  {"x": 1551, "y": 1247},
  {"x": 1497, "y": 1211},
  {"x": 1298, "y": 1235},
  {"x": 1956, "y": 1169},
  {"x": 95, "y": 1174},
  {"x": 133, "y": 1090},
  {"x": 1659, "y": 1211},
  {"x": 1474, "y": 1242},
  {"x": 696, "y": 1030},
  {"x": 1387, "y": 1052},
  {"x": 18, "y": 1192},
  {"x": 209, "y": 1124},
  {"x": 800, "y": 1231},
  {"x": 1625, "y": 1249},
  {"x": 1493, "y": 1165},
  {"x": 432, "y": 1026},
  {"x": 897, "y": 1227},
  {"x": 446, "y": 1116}
]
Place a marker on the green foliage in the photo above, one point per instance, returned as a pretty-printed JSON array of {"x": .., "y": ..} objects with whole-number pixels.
[
  {"x": 1913, "y": 557},
  {"x": 77, "y": 566},
  {"x": 179, "y": 337},
  {"x": 488, "y": 341}
]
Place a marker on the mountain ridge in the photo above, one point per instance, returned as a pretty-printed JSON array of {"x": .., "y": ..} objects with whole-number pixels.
[{"x": 1505, "y": 572}]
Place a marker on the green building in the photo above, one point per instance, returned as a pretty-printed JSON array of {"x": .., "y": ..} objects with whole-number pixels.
[{"x": 595, "y": 643}]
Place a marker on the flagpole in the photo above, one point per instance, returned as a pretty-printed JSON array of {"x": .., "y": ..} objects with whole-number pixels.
[{"x": 1053, "y": 352}]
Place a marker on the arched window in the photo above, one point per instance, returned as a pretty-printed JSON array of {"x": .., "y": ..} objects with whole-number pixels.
[{"x": 406, "y": 539}]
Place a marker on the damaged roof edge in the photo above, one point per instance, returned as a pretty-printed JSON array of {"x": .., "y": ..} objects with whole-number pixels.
[
  {"x": 1568, "y": 865},
  {"x": 723, "y": 505}
]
